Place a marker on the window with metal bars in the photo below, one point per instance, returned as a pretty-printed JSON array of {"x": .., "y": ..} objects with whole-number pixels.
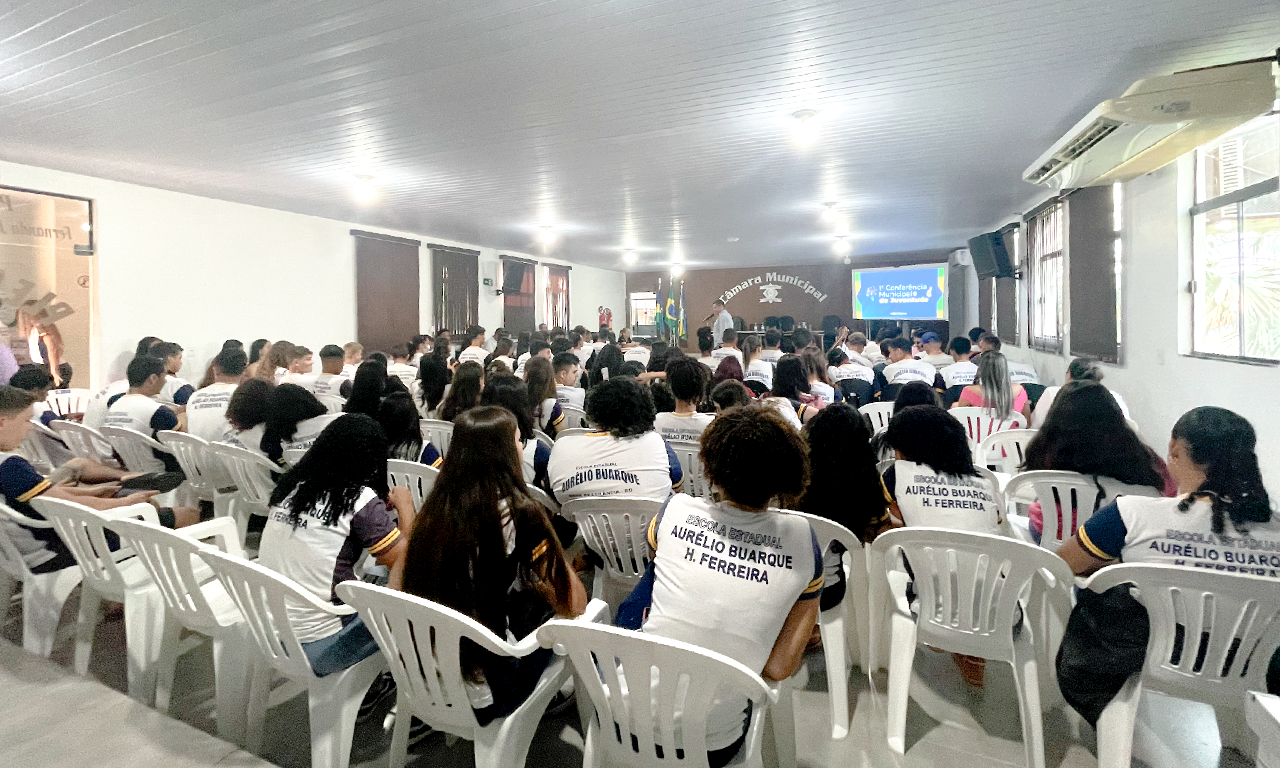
[{"x": 1046, "y": 257}]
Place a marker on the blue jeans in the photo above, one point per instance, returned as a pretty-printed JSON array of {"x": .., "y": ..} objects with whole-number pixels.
[{"x": 341, "y": 650}]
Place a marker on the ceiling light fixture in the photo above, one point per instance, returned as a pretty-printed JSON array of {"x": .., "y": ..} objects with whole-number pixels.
[
  {"x": 731, "y": 239},
  {"x": 829, "y": 213},
  {"x": 806, "y": 129},
  {"x": 677, "y": 270},
  {"x": 365, "y": 190},
  {"x": 547, "y": 235},
  {"x": 841, "y": 246},
  {"x": 629, "y": 257}
]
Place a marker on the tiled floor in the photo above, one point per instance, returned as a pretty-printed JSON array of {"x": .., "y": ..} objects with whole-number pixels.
[{"x": 949, "y": 725}]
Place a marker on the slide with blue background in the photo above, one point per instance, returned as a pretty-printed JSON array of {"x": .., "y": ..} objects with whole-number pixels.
[{"x": 905, "y": 293}]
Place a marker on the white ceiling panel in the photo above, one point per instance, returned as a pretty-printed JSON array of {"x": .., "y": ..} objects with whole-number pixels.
[{"x": 665, "y": 125}]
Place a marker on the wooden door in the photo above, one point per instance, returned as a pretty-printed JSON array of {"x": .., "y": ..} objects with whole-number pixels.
[{"x": 386, "y": 291}]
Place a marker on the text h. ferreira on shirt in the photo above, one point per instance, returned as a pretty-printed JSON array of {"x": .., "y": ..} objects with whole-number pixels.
[{"x": 731, "y": 559}]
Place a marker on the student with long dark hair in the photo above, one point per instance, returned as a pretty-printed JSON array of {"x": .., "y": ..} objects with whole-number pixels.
[
  {"x": 294, "y": 420},
  {"x": 791, "y": 387},
  {"x": 247, "y": 414},
  {"x": 1086, "y": 432},
  {"x": 325, "y": 511},
  {"x": 1222, "y": 507},
  {"x": 540, "y": 377},
  {"x": 367, "y": 388},
  {"x": 464, "y": 392},
  {"x": 512, "y": 393},
  {"x": 484, "y": 548},
  {"x": 610, "y": 359},
  {"x": 433, "y": 379},
  {"x": 398, "y": 418}
]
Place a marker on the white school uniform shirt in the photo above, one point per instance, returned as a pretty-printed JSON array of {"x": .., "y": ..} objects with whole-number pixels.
[
  {"x": 1021, "y": 373},
  {"x": 207, "y": 412},
  {"x": 759, "y": 370},
  {"x": 599, "y": 464},
  {"x": 856, "y": 357},
  {"x": 784, "y": 407},
  {"x": 249, "y": 439},
  {"x": 520, "y": 364},
  {"x": 927, "y": 498},
  {"x": 823, "y": 390},
  {"x": 681, "y": 427},
  {"x": 1046, "y": 402},
  {"x": 507, "y": 361},
  {"x": 406, "y": 373},
  {"x": 1140, "y": 529},
  {"x": 640, "y": 354},
  {"x": 349, "y": 370},
  {"x": 958, "y": 374},
  {"x": 175, "y": 389},
  {"x": 141, "y": 414},
  {"x": 95, "y": 413},
  {"x": 939, "y": 360},
  {"x": 771, "y": 356},
  {"x": 473, "y": 355},
  {"x": 583, "y": 353},
  {"x": 326, "y": 384},
  {"x": 710, "y": 362},
  {"x": 851, "y": 371},
  {"x": 719, "y": 355},
  {"x": 908, "y": 370},
  {"x": 575, "y": 396},
  {"x": 725, "y": 579}
]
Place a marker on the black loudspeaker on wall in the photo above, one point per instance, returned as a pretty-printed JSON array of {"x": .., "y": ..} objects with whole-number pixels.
[{"x": 990, "y": 257}]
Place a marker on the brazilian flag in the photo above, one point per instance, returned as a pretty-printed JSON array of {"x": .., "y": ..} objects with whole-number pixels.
[{"x": 670, "y": 315}]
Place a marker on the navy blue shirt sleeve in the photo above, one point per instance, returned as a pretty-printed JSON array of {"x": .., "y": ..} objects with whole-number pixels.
[
  {"x": 891, "y": 481},
  {"x": 1103, "y": 534},
  {"x": 183, "y": 394},
  {"x": 677, "y": 472},
  {"x": 162, "y": 419},
  {"x": 814, "y": 590},
  {"x": 20, "y": 483},
  {"x": 430, "y": 456}
]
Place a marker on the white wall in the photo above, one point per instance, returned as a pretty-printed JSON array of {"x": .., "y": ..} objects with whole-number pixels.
[
  {"x": 197, "y": 271},
  {"x": 1157, "y": 381}
]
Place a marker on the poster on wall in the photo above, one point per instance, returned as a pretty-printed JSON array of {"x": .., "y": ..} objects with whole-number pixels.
[
  {"x": 46, "y": 260},
  {"x": 917, "y": 292}
]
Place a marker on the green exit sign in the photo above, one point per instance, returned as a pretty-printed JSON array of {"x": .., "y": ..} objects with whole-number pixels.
[{"x": 488, "y": 281}]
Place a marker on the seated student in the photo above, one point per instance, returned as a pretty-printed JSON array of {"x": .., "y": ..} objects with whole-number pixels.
[
  {"x": 819, "y": 384},
  {"x": 841, "y": 367},
  {"x": 325, "y": 512},
  {"x": 278, "y": 360},
  {"x": 37, "y": 381},
  {"x": 541, "y": 381},
  {"x": 419, "y": 347},
  {"x": 433, "y": 382},
  {"x": 1023, "y": 373},
  {"x": 756, "y": 369},
  {"x": 855, "y": 346},
  {"x": 728, "y": 368},
  {"x": 608, "y": 365},
  {"x": 41, "y": 548},
  {"x": 658, "y": 354},
  {"x": 632, "y": 459},
  {"x": 844, "y": 486},
  {"x": 502, "y": 354},
  {"x": 801, "y": 338},
  {"x": 706, "y": 346},
  {"x": 730, "y": 394},
  {"x": 687, "y": 382},
  {"x": 791, "y": 393},
  {"x": 1087, "y": 433},
  {"x": 399, "y": 365},
  {"x": 932, "y": 351},
  {"x": 640, "y": 353},
  {"x": 330, "y": 380},
  {"x": 916, "y": 393},
  {"x": 536, "y": 349},
  {"x": 754, "y": 459},
  {"x": 1222, "y": 506},
  {"x": 399, "y": 420},
  {"x": 579, "y": 347},
  {"x": 512, "y": 393},
  {"x": 138, "y": 410},
  {"x": 1080, "y": 369},
  {"x": 246, "y": 415},
  {"x": 464, "y": 392},
  {"x": 352, "y": 356},
  {"x": 473, "y": 351},
  {"x": 176, "y": 391},
  {"x": 301, "y": 362},
  {"x": 993, "y": 391},
  {"x": 902, "y": 367},
  {"x": 961, "y": 371},
  {"x": 295, "y": 418},
  {"x": 367, "y": 388},
  {"x": 207, "y": 408},
  {"x": 728, "y": 347},
  {"x": 987, "y": 342},
  {"x": 484, "y": 548},
  {"x": 567, "y": 374}
]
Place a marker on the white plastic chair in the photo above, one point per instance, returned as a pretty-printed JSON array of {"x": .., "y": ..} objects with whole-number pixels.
[
  {"x": 421, "y": 642},
  {"x": 616, "y": 529},
  {"x": 573, "y": 431},
  {"x": 1067, "y": 501},
  {"x": 980, "y": 424},
  {"x": 834, "y": 623},
  {"x": 1262, "y": 712},
  {"x": 263, "y": 597},
  {"x": 36, "y": 448},
  {"x": 43, "y": 594},
  {"x": 1005, "y": 449},
  {"x": 332, "y": 403},
  {"x": 1231, "y": 624},
  {"x": 252, "y": 474},
  {"x": 65, "y": 402},
  {"x": 969, "y": 588},
  {"x": 689, "y": 454},
  {"x": 547, "y": 501},
  {"x": 136, "y": 449},
  {"x": 544, "y": 438},
  {"x": 111, "y": 576},
  {"x": 197, "y": 602},
  {"x": 84, "y": 442},
  {"x": 574, "y": 417},
  {"x": 650, "y": 693},
  {"x": 417, "y": 477},
  {"x": 438, "y": 433},
  {"x": 879, "y": 413},
  {"x": 292, "y": 456},
  {"x": 207, "y": 477}
]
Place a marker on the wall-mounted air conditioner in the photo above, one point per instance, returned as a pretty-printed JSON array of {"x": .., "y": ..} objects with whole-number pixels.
[{"x": 1154, "y": 122}]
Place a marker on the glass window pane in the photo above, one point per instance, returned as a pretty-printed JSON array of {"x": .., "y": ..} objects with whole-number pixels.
[
  {"x": 1260, "y": 260},
  {"x": 1247, "y": 155},
  {"x": 1217, "y": 275}
]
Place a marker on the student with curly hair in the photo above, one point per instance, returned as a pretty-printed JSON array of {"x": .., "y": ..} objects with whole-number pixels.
[
  {"x": 726, "y": 589},
  {"x": 327, "y": 510},
  {"x": 1222, "y": 506},
  {"x": 626, "y": 457}
]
